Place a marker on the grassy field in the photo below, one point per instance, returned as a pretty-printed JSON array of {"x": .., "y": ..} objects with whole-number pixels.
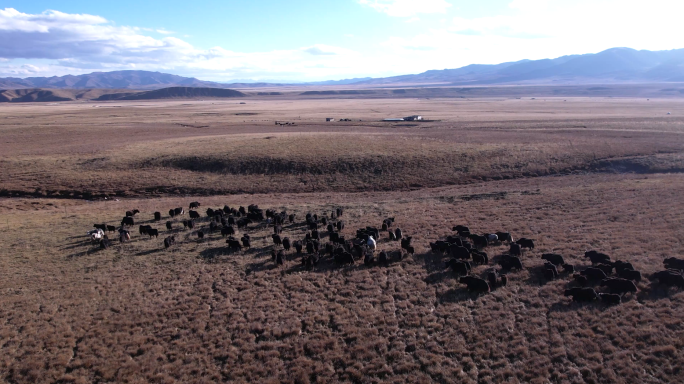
[
  {"x": 205, "y": 148},
  {"x": 584, "y": 174}
]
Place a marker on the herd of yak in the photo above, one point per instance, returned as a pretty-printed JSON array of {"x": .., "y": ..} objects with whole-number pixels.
[{"x": 463, "y": 249}]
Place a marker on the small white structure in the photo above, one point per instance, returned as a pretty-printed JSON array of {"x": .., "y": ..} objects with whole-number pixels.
[
  {"x": 413, "y": 118},
  {"x": 329, "y": 119},
  {"x": 669, "y": 113},
  {"x": 394, "y": 119}
]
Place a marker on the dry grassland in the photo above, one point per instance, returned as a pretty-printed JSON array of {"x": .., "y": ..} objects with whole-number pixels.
[
  {"x": 572, "y": 175},
  {"x": 219, "y": 147},
  {"x": 195, "y": 313}
]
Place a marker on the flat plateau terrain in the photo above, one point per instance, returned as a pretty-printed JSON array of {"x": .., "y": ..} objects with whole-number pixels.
[{"x": 572, "y": 174}]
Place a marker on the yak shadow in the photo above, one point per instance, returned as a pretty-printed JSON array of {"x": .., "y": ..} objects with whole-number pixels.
[
  {"x": 88, "y": 251},
  {"x": 149, "y": 252},
  {"x": 458, "y": 295}
]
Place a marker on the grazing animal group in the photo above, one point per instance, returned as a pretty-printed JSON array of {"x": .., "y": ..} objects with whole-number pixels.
[{"x": 325, "y": 240}]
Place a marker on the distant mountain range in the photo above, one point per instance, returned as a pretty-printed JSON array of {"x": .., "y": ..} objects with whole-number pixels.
[
  {"x": 613, "y": 66},
  {"x": 138, "y": 80}
]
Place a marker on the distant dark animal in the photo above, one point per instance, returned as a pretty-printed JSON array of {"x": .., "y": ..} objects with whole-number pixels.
[
  {"x": 191, "y": 224},
  {"x": 340, "y": 225},
  {"x": 581, "y": 294},
  {"x": 213, "y": 226},
  {"x": 515, "y": 249},
  {"x": 169, "y": 225},
  {"x": 132, "y": 213},
  {"x": 291, "y": 218},
  {"x": 233, "y": 244},
  {"x": 593, "y": 274},
  {"x": 630, "y": 274},
  {"x": 274, "y": 254},
  {"x": 475, "y": 284},
  {"x": 200, "y": 234},
  {"x": 459, "y": 267},
  {"x": 478, "y": 259},
  {"x": 210, "y": 212},
  {"x": 553, "y": 258},
  {"x": 227, "y": 231},
  {"x": 153, "y": 232},
  {"x": 674, "y": 263},
  {"x": 246, "y": 242},
  {"x": 610, "y": 298},
  {"x": 157, "y": 216},
  {"x": 406, "y": 242},
  {"x": 504, "y": 236},
  {"x": 309, "y": 247},
  {"x": 143, "y": 229},
  {"x": 340, "y": 211},
  {"x": 504, "y": 280},
  {"x": 344, "y": 258},
  {"x": 597, "y": 257},
  {"x": 315, "y": 234},
  {"x": 280, "y": 257},
  {"x": 397, "y": 233},
  {"x": 285, "y": 242},
  {"x": 124, "y": 236},
  {"x": 313, "y": 225},
  {"x": 551, "y": 273},
  {"x": 581, "y": 280},
  {"x": 194, "y": 204},
  {"x": 669, "y": 278},
  {"x": 103, "y": 227},
  {"x": 392, "y": 236},
  {"x": 492, "y": 278},
  {"x": 277, "y": 229},
  {"x": 277, "y": 240},
  {"x": 111, "y": 228},
  {"x": 510, "y": 262},
  {"x": 569, "y": 268},
  {"x": 382, "y": 257},
  {"x": 243, "y": 222},
  {"x": 410, "y": 250},
  {"x": 128, "y": 220},
  {"x": 172, "y": 213},
  {"x": 460, "y": 228},
  {"x": 298, "y": 247},
  {"x": 621, "y": 265},
  {"x": 331, "y": 228},
  {"x": 619, "y": 286},
  {"x": 606, "y": 268},
  {"x": 483, "y": 255},
  {"x": 178, "y": 211},
  {"x": 169, "y": 241},
  {"x": 479, "y": 241},
  {"x": 525, "y": 243},
  {"x": 194, "y": 215},
  {"x": 383, "y": 227}
]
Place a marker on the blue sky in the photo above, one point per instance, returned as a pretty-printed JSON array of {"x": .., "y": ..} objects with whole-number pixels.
[{"x": 306, "y": 40}]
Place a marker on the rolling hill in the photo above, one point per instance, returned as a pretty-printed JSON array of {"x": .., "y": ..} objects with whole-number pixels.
[{"x": 139, "y": 80}]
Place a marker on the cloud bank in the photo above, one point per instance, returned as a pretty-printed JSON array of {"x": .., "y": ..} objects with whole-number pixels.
[{"x": 57, "y": 43}]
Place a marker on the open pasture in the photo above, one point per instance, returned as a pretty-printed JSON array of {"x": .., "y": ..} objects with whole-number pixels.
[
  {"x": 198, "y": 313},
  {"x": 575, "y": 175},
  {"x": 218, "y": 147}
]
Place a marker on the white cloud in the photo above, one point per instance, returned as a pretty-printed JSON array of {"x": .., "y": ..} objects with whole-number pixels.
[
  {"x": 84, "y": 43},
  {"x": 164, "y": 31},
  {"x": 407, "y": 8}
]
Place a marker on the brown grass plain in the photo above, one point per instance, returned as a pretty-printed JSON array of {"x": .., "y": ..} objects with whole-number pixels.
[{"x": 573, "y": 175}]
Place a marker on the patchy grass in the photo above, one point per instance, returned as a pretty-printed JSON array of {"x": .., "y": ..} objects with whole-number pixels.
[{"x": 137, "y": 312}]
